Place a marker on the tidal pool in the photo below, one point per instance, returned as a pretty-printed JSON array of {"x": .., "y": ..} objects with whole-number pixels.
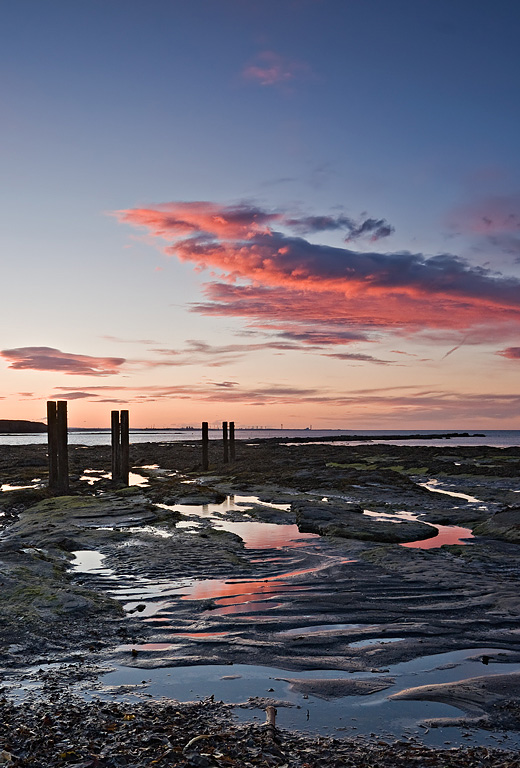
[
  {"x": 346, "y": 715},
  {"x": 433, "y": 486},
  {"x": 446, "y": 534}
]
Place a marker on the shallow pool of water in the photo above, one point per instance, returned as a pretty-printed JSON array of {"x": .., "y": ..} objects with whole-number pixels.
[
  {"x": 434, "y": 487},
  {"x": 267, "y": 535},
  {"x": 447, "y": 534},
  {"x": 348, "y": 715},
  {"x": 375, "y": 641},
  {"x": 90, "y": 561},
  {"x": 36, "y": 483}
]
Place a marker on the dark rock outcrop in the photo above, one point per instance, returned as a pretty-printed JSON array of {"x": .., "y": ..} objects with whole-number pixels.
[
  {"x": 504, "y": 524},
  {"x": 349, "y": 522},
  {"x": 14, "y": 426}
]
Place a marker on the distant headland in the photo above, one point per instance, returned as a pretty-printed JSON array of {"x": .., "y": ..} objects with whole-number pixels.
[{"x": 12, "y": 426}]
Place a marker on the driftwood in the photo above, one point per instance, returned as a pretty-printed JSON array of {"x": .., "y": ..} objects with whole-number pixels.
[{"x": 270, "y": 722}]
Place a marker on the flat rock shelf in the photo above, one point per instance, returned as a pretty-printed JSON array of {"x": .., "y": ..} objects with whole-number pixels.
[{"x": 313, "y": 573}]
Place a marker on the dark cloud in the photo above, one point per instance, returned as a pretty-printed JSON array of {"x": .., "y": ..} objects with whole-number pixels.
[
  {"x": 323, "y": 337},
  {"x": 226, "y": 384},
  {"x": 512, "y": 353},
  {"x": 359, "y": 357},
  {"x": 377, "y": 229},
  {"x": 307, "y": 224},
  {"x": 77, "y": 396}
]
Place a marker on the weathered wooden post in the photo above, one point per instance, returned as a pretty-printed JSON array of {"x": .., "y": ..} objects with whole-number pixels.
[
  {"x": 205, "y": 446},
  {"x": 57, "y": 445},
  {"x": 52, "y": 442},
  {"x": 225, "y": 441},
  {"x": 63, "y": 454},
  {"x": 232, "y": 440},
  {"x": 125, "y": 446},
  {"x": 120, "y": 431},
  {"x": 116, "y": 446}
]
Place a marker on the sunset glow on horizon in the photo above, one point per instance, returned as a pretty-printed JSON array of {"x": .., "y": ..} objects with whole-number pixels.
[{"x": 214, "y": 212}]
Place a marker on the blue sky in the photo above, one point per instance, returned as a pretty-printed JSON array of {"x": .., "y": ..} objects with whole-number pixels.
[{"x": 398, "y": 112}]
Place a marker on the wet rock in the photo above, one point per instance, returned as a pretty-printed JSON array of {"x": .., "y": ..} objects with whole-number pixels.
[
  {"x": 336, "y": 519},
  {"x": 504, "y": 524},
  {"x": 491, "y": 702},
  {"x": 335, "y": 689},
  {"x": 176, "y": 492}
]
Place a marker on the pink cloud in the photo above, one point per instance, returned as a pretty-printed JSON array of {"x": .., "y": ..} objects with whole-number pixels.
[
  {"x": 493, "y": 221},
  {"x": 50, "y": 359},
  {"x": 389, "y": 404},
  {"x": 281, "y": 281},
  {"x": 320, "y": 318},
  {"x": 198, "y": 352},
  {"x": 493, "y": 215},
  {"x": 241, "y": 242},
  {"x": 269, "y": 68}
]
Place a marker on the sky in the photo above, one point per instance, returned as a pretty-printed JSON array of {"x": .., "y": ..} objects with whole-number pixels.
[{"x": 273, "y": 212}]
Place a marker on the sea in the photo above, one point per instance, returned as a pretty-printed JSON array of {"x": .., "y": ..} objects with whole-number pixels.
[{"x": 499, "y": 438}]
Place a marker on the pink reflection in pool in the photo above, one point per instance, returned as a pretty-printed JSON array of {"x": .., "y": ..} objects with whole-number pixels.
[
  {"x": 229, "y": 592},
  {"x": 244, "y": 596},
  {"x": 447, "y": 534},
  {"x": 267, "y": 535}
]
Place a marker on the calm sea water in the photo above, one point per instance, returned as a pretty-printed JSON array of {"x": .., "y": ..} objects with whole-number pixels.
[{"x": 501, "y": 438}]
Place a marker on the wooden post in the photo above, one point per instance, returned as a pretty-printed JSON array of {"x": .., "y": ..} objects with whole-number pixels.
[
  {"x": 232, "y": 440},
  {"x": 116, "y": 447},
  {"x": 125, "y": 446},
  {"x": 225, "y": 441},
  {"x": 205, "y": 446},
  {"x": 120, "y": 433},
  {"x": 52, "y": 442},
  {"x": 61, "y": 439}
]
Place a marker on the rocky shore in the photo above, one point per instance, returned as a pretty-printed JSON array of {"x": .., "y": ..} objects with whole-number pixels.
[
  {"x": 65, "y": 732},
  {"x": 363, "y": 501}
]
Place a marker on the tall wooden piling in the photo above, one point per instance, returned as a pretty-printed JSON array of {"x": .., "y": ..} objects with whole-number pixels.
[
  {"x": 225, "y": 441},
  {"x": 57, "y": 445},
  {"x": 63, "y": 454},
  {"x": 125, "y": 446},
  {"x": 205, "y": 446},
  {"x": 120, "y": 432},
  {"x": 232, "y": 440},
  {"x": 52, "y": 442},
  {"x": 116, "y": 446}
]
